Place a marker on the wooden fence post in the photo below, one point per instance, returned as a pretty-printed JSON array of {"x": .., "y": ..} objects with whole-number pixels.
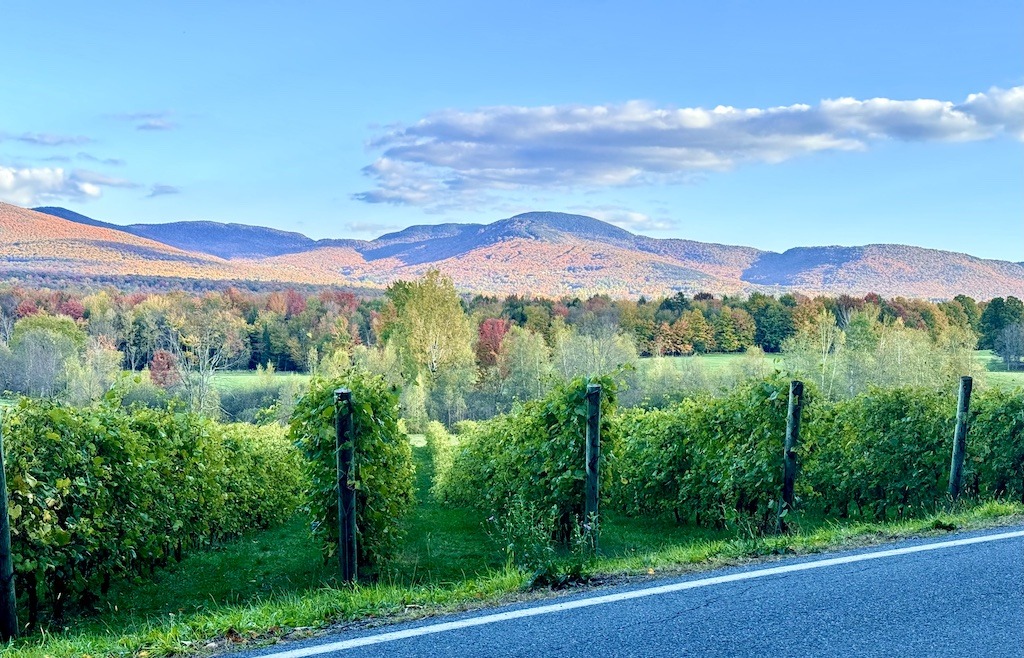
[
  {"x": 593, "y": 457},
  {"x": 345, "y": 434},
  {"x": 8, "y": 601},
  {"x": 956, "y": 466},
  {"x": 788, "y": 500}
]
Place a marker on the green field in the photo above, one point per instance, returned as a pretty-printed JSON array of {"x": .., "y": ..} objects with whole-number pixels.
[
  {"x": 230, "y": 380},
  {"x": 721, "y": 364},
  {"x": 996, "y": 371}
]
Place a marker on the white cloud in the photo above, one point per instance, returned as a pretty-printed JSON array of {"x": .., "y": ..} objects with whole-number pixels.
[
  {"x": 35, "y": 185},
  {"x": 94, "y": 178},
  {"x": 159, "y": 189},
  {"x": 156, "y": 124},
  {"x": 159, "y": 120},
  {"x": 628, "y": 219},
  {"x": 451, "y": 158},
  {"x": 114, "y": 162},
  {"x": 45, "y": 139}
]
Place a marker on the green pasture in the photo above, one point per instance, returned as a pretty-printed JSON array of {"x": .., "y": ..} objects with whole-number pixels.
[
  {"x": 232, "y": 380},
  {"x": 996, "y": 373}
]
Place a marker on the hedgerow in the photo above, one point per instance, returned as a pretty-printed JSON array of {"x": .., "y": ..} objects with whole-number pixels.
[
  {"x": 709, "y": 460},
  {"x": 887, "y": 450},
  {"x": 384, "y": 468},
  {"x": 97, "y": 493},
  {"x": 995, "y": 444},
  {"x": 715, "y": 460},
  {"x": 534, "y": 453}
]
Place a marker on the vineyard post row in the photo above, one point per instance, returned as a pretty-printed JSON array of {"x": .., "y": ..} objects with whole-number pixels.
[
  {"x": 345, "y": 435},
  {"x": 8, "y": 601},
  {"x": 796, "y": 392}
]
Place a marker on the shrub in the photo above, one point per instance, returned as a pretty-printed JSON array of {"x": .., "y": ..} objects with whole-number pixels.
[
  {"x": 244, "y": 401},
  {"x": 264, "y": 481},
  {"x": 995, "y": 444},
  {"x": 384, "y": 469},
  {"x": 881, "y": 451},
  {"x": 440, "y": 446},
  {"x": 710, "y": 460},
  {"x": 139, "y": 390},
  {"x": 99, "y": 492},
  {"x": 535, "y": 453}
]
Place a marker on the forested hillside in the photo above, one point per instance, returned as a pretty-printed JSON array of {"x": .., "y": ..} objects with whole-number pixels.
[{"x": 546, "y": 253}]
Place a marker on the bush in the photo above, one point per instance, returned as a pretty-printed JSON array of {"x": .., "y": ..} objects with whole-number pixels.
[
  {"x": 884, "y": 450},
  {"x": 263, "y": 483},
  {"x": 995, "y": 445},
  {"x": 139, "y": 390},
  {"x": 99, "y": 492},
  {"x": 523, "y": 535},
  {"x": 384, "y": 470},
  {"x": 535, "y": 453},
  {"x": 249, "y": 400},
  {"x": 708, "y": 460}
]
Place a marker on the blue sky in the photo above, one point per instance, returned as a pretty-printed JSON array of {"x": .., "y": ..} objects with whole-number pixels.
[{"x": 339, "y": 121}]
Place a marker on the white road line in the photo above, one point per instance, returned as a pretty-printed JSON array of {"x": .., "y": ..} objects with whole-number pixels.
[{"x": 625, "y": 596}]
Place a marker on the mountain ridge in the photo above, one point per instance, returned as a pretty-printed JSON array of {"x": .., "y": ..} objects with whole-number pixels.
[{"x": 555, "y": 253}]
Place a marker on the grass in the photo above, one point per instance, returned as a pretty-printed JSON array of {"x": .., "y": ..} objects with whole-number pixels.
[
  {"x": 717, "y": 363},
  {"x": 996, "y": 374},
  {"x": 230, "y": 380},
  {"x": 274, "y": 584},
  {"x": 713, "y": 363}
]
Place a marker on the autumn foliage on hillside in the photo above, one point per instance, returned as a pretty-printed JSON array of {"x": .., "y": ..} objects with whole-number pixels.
[{"x": 539, "y": 258}]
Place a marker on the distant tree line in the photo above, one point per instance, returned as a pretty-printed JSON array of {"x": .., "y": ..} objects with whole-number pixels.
[{"x": 453, "y": 354}]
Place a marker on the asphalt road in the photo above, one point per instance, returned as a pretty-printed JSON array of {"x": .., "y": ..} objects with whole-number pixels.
[{"x": 918, "y": 598}]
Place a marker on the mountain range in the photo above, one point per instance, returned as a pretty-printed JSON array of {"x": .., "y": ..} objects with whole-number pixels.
[{"x": 543, "y": 253}]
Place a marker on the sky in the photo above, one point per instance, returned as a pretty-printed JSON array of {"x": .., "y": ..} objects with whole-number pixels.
[{"x": 772, "y": 125}]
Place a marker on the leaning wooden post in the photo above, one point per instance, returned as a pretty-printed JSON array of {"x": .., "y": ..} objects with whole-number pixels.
[
  {"x": 796, "y": 400},
  {"x": 345, "y": 434},
  {"x": 956, "y": 466},
  {"x": 8, "y": 602},
  {"x": 593, "y": 457}
]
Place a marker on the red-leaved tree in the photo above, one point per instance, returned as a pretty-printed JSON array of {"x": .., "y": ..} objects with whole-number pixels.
[
  {"x": 163, "y": 369},
  {"x": 492, "y": 331}
]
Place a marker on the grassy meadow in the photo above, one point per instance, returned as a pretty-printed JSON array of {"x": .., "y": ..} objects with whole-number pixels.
[
  {"x": 997, "y": 374},
  {"x": 234, "y": 380},
  {"x": 722, "y": 364}
]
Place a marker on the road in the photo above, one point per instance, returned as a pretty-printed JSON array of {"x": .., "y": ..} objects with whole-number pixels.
[{"x": 958, "y": 595}]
